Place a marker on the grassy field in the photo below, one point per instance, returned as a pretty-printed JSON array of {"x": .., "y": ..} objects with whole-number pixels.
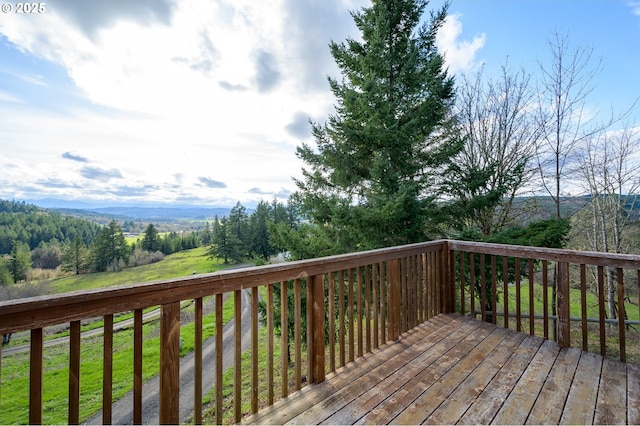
[
  {"x": 593, "y": 337},
  {"x": 14, "y": 389},
  {"x": 175, "y": 265}
]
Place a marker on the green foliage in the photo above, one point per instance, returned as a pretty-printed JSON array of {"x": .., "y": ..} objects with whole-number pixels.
[
  {"x": 76, "y": 257},
  {"x": 175, "y": 265},
  {"x": 20, "y": 261},
  {"x": 291, "y": 313},
  {"x": 151, "y": 240},
  {"x": 173, "y": 242},
  {"x": 371, "y": 179},
  {"x": 109, "y": 249},
  {"x": 226, "y": 244},
  {"x": 259, "y": 231},
  {"x": 5, "y": 273},
  {"x": 550, "y": 233},
  {"x": 477, "y": 194},
  {"x": 31, "y": 225}
]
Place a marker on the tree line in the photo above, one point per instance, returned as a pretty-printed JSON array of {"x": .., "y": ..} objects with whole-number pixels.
[{"x": 237, "y": 238}]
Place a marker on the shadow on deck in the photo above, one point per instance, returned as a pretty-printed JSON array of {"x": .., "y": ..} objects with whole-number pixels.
[{"x": 453, "y": 369}]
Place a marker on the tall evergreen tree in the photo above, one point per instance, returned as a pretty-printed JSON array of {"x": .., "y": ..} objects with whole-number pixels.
[
  {"x": 75, "y": 256},
  {"x": 238, "y": 222},
  {"x": 20, "y": 261},
  {"x": 372, "y": 178},
  {"x": 6, "y": 277},
  {"x": 259, "y": 231},
  {"x": 226, "y": 244},
  {"x": 109, "y": 249},
  {"x": 151, "y": 240}
]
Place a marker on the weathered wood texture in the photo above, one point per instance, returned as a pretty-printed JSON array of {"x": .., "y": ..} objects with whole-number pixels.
[
  {"x": 372, "y": 298},
  {"x": 453, "y": 369}
]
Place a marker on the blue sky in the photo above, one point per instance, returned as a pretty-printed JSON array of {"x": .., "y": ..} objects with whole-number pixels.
[{"x": 204, "y": 102}]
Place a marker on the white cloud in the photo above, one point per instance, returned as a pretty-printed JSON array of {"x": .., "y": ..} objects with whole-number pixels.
[
  {"x": 9, "y": 98},
  {"x": 635, "y": 6},
  {"x": 460, "y": 55}
]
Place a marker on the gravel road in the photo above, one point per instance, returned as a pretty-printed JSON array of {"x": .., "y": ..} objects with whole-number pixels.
[{"x": 122, "y": 410}]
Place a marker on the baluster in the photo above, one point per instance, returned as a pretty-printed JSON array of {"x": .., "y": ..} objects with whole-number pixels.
[
  {"x": 384, "y": 305},
  {"x": 359, "y": 316},
  {"x": 564, "y": 323},
  {"x": 341, "y": 319},
  {"x": 254, "y": 350},
  {"x": 107, "y": 370},
  {"x": 284, "y": 337},
  {"x": 296, "y": 333},
  {"x": 270, "y": 344},
  {"x": 505, "y": 285},
  {"x": 601, "y": 313},
  {"x": 518, "y": 301},
  {"x": 545, "y": 297},
  {"x": 74, "y": 373},
  {"x": 376, "y": 304},
  {"x": 309, "y": 308},
  {"x": 472, "y": 284},
  {"x": 317, "y": 348},
  {"x": 219, "y": 358},
  {"x": 169, "y": 364},
  {"x": 351, "y": 319},
  {"x": 621, "y": 316},
  {"x": 332, "y": 322},
  {"x": 421, "y": 291},
  {"x": 394, "y": 299},
  {"x": 494, "y": 290},
  {"x": 483, "y": 288},
  {"x": 583, "y": 306},
  {"x": 197, "y": 391},
  {"x": 35, "y": 376},
  {"x": 237, "y": 339},
  {"x": 367, "y": 306},
  {"x": 137, "y": 366},
  {"x": 532, "y": 330}
]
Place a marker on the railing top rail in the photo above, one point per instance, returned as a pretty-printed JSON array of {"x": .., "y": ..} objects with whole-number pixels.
[
  {"x": 616, "y": 260},
  {"x": 41, "y": 311}
]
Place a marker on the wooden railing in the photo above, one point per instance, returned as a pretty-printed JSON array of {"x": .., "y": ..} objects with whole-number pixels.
[
  {"x": 515, "y": 286},
  {"x": 347, "y": 306},
  {"x": 376, "y": 296}
]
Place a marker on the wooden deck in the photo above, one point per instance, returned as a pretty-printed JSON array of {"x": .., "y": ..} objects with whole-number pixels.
[{"x": 453, "y": 369}]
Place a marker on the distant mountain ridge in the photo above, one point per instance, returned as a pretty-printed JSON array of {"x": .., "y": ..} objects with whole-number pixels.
[
  {"x": 140, "y": 212},
  {"x": 164, "y": 213}
]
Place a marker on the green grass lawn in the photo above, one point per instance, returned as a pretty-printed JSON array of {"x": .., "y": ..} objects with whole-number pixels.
[
  {"x": 172, "y": 266},
  {"x": 593, "y": 337}
]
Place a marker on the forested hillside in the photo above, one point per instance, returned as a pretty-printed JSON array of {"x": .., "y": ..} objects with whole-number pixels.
[{"x": 32, "y": 225}]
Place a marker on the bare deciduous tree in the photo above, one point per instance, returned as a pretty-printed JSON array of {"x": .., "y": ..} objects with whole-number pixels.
[
  {"x": 563, "y": 115},
  {"x": 496, "y": 121},
  {"x": 611, "y": 174}
]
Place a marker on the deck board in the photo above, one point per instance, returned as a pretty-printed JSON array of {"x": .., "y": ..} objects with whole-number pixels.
[
  {"x": 633, "y": 394},
  {"x": 612, "y": 394},
  {"x": 551, "y": 400},
  {"x": 521, "y": 399},
  {"x": 439, "y": 355},
  {"x": 581, "y": 401},
  {"x": 454, "y": 369}
]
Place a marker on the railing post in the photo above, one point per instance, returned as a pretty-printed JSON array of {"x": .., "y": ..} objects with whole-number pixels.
[
  {"x": 35, "y": 376},
  {"x": 447, "y": 280},
  {"x": 564, "y": 323},
  {"x": 317, "y": 349},
  {"x": 170, "y": 364},
  {"x": 394, "y": 299}
]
